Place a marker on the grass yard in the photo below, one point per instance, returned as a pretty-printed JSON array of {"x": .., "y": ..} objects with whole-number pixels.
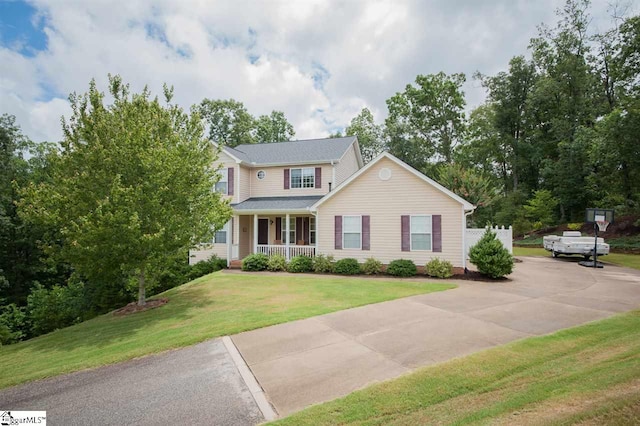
[
  {"x": 621, "y": 259},
  {"x": 588, "y": 374},
  {"x": 215, "y": 305}
]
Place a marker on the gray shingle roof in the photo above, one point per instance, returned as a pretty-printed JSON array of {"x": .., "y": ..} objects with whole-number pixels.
[
  {"x": 277, "y": 203},
  {"x": 304, "y": 151}
]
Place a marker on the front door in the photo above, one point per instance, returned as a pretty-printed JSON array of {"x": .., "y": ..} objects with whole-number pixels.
[{"x": 263, "y": 231}]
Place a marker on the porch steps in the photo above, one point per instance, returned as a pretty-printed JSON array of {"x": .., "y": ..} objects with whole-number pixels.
[{"x": 235, "y": 264}]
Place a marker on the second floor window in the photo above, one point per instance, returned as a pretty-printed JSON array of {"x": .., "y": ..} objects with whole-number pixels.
[
  {"x": 303, "y": 178},
  {"x": 221, "y": 185}
]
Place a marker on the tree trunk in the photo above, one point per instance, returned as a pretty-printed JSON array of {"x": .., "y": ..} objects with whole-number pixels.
[{"x": 141, "y": 291}]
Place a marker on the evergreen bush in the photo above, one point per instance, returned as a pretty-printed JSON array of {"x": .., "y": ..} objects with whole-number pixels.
[
  {"x": 402, "y": 268},
  {"x": 491, "y": 257},
  {"x": 255, "y": 262},
  {"x": 347, "y": 266},
  {"x": 300, "y": 264}
]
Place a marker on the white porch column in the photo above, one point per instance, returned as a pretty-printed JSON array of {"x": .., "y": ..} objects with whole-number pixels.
[
  {"x": 317, "y": 234},
  {"x": 255, "y": 233},
  {"x": 229, "y": 241},
  {"x": 287, "y": 235}
]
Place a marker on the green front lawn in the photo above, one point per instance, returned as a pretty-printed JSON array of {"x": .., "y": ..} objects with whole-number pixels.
[
  {"x": 588, "y": 374},
  {"x": 215, "y": 305},
  {"x": 620, "y": 259}
]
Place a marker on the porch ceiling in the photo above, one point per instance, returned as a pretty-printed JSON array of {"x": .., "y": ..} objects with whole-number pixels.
[{"x": 276, "y": 204}]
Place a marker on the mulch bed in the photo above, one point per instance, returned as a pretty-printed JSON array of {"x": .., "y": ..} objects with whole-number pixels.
[
  {"x": 477, "y": 276},
  {"x": 133, "y": 307}
]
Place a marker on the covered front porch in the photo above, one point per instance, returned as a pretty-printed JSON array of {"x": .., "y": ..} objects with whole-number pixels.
[
  {"x": 287, "y": 235},
  {"x": 275, "y": 226}
]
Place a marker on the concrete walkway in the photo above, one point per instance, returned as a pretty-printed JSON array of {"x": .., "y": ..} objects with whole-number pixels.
[{"x": 318, "y": 359}]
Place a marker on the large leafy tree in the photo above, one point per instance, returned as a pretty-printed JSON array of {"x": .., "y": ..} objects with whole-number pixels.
[
  {"x": 130, "y": 186},
  {"x": 618, "y": 150},
  {"x": 370, "y": 135},
  {"x": 567, "y": 98},
  {"x": 228, "y": 121},
  {"x": 427, "y": 120},
  {"x": 508, "y": 93},
  {"x": 482, "y": 149},
  {"x": 273, "y": 128}
]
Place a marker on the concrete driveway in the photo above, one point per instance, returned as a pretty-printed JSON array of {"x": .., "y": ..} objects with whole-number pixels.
[
  {"x": 322, "y": 358},
  {"x": 197, "y": 385}
]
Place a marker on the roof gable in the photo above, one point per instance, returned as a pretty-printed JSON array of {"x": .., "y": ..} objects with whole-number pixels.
[
  {"x": 467, "y": 205},
  {"x": 309, "y": 151}
]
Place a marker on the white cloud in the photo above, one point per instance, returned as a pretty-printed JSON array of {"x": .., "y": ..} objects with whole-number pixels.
[{"x": 318, "y": 61}]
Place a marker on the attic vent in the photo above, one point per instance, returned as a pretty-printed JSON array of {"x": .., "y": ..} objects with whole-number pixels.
[{"x": 384, "y": 174}]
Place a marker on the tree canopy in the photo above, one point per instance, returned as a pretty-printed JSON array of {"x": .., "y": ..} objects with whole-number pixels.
[
  {"x": 229, "y": 123},
  {"x": 130, "y": 186}
]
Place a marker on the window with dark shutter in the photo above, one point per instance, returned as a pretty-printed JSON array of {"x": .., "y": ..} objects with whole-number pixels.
[
  {"x": 230, "y": 181},
  {"x": 318, "y": 177},
  {"x": 279, "y": 228},
  {"x": 337, "y": 235},
  {"x": 366, "y": 233},
  {"x": 405, "y": 231},
  {"x": 436, "y": 224},
  {"x": 286, "y": 178}
]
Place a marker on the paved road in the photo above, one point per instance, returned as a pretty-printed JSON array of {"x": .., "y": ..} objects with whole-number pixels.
[
  {"x": 319, "y": 359},
  {"x": 197, "y": 385}
]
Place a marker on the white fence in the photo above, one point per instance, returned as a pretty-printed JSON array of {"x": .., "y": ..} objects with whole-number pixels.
[{"x": 505, "y": 235}]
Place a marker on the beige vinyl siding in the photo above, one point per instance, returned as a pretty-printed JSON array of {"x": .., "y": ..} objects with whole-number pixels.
[
  {"x": 273, "y": 183},
  {"x": 196, "y": 256},
  {"x": 385, "y": 202},
  {"x": 244, "y": 184},
  {"x": 347, "y": 166}
]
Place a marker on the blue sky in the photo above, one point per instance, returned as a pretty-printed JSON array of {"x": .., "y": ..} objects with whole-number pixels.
[
  {"x": 319, "y": 61},
  {"x": 21, "y": 27}
]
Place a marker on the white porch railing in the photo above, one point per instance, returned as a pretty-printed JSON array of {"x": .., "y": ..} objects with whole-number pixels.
[{"x": 271, "y": 250}]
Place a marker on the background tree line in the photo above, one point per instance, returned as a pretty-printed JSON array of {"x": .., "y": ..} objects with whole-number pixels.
[{"x": 558, "y": 132}]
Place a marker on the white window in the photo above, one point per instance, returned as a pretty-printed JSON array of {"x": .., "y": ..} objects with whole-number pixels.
[
  {"x": 351, "y": 232},
  {"x": 221, "y": 185},
  {"x": 220, "y": 237},
  {"x": 261, "y": 174},
  {"x": 312, "y": 230},
  {"x": 420, "y": 232},
  {"x": 303, "y": 178},
  {"x": 292, "y": 229}
]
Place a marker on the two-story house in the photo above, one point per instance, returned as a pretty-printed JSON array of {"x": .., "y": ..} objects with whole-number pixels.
[{"x": 315, "y": 196}]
